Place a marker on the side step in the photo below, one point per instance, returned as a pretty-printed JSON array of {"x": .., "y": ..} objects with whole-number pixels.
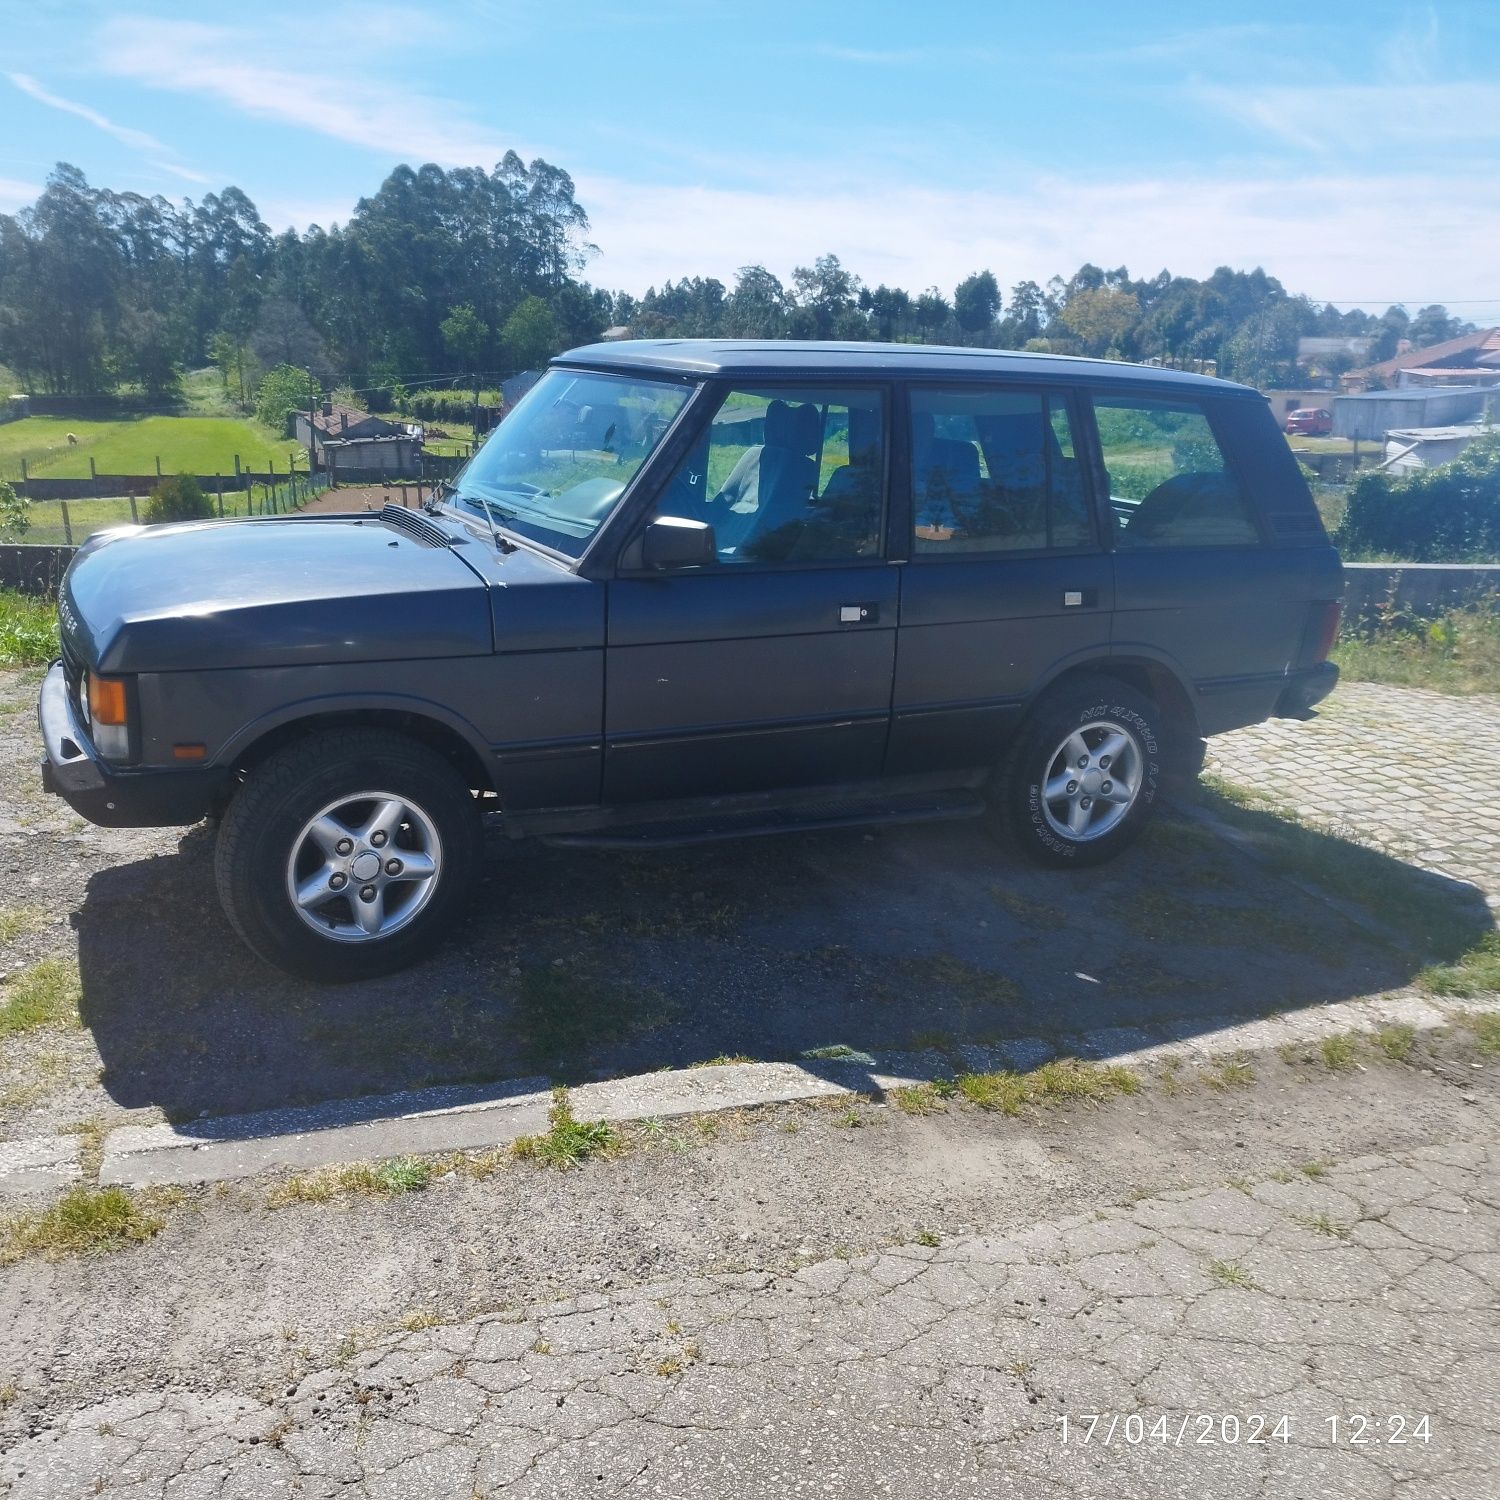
[{"x": 757, "y": 822}]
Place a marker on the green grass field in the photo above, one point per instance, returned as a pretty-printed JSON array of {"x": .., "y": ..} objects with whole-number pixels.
[{"x": 193, "y": 445}]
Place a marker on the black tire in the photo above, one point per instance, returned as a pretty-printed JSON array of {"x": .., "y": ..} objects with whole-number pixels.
[
  {"x": 267, "y": 818},
  {"x": 1078, "y": 706}
]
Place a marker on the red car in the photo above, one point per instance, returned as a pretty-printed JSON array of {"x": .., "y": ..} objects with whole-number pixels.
[{"x": 1310, "y": 421}]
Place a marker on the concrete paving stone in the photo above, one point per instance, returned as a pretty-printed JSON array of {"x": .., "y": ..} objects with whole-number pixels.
[{"x": 899, "y": 1374}]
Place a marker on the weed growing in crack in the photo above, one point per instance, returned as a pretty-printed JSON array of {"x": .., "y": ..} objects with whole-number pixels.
[
  {"x": 84, "y": 1221},
  {"x": 1485, "y": 1024},
  {"x": 1229, "y": 1073},
  {"x": 1059, "y": 1082},
  {"x": 1321, "y": 1224},
  {"x": 919, "y": 1099},
  {"x": 568, "y": 1141},
  {"x": 1229, "y": 1273},
  {"x": 1338, "y": 1051},
  {"x": 402, "y": 1174},
  {"x": 1395, "y": 1041}
]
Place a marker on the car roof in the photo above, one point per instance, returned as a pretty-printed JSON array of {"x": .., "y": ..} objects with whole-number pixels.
[{"x": 778, "y": 358}]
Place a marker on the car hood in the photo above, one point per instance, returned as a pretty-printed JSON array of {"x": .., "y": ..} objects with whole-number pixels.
[{"x": 271, "y": 593}]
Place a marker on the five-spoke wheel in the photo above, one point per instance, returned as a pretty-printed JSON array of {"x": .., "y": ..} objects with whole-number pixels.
[
  {"x": 1085, "y": 771},
  {"x": 347, "y": 854},
  {"x": 1092, "y": 780},
  {"x": 364, "y": 866}
]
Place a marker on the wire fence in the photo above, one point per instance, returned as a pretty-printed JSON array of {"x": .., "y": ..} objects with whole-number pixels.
[{"x": 68, "y": 522}]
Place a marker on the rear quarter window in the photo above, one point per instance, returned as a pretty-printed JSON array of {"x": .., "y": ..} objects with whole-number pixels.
[
  {"x": 1171, "y": 483},
  {"x": 1268, "y": 470}
]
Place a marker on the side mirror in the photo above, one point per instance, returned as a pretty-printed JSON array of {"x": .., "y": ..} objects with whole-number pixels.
[{"x": 676, "y": 542}]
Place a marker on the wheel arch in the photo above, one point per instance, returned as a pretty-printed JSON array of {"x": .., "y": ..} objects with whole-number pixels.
[
  {"x": 1155, "y": 677},
  {"x": 449, "y": 734}
]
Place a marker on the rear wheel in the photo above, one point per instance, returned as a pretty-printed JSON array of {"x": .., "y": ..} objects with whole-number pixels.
[
  {"x": 1085, "y": 772},
  {"x": 347, "y": 855}
]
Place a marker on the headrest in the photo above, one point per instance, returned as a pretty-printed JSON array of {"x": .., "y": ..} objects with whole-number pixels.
[
  {"x": 794, "y": 427},
  {"x": 864, "y": 435}
]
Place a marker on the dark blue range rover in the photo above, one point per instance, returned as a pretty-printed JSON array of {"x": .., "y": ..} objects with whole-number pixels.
[{"x": 691, "y": 590}]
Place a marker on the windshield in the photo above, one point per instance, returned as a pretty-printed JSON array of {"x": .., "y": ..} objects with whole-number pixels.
[{"x": 554, "y": 468}]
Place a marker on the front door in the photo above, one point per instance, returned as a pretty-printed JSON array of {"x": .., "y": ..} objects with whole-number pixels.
[{"x": 772, "y": 668}]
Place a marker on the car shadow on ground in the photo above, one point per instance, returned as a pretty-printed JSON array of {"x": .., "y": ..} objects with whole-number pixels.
[{"x": 578, "y": 964}]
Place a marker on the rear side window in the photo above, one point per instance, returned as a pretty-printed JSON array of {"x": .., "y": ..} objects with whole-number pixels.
[
  {"x": 1169, "y": 485},
  {"x": 994, "y": 470}
]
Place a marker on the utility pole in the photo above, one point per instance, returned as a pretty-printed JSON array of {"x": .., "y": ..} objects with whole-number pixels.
[{"x": 312, "y": 446}]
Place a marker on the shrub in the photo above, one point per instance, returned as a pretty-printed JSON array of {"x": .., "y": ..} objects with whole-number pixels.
[
  {"x": 178, "y": 498},
  {"x": 15, "y": 511},
  {"x": 28, "y": 636},
  {"x": 1447, "y": 514}
]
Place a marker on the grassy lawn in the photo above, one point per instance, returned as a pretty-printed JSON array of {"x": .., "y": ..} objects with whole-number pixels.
[
  {"x": 28, "y": 633},
  {"x": 1457, "y": 653},
  {"x": 195, "y": 445},
  {"x": 1301, "y": 443}
]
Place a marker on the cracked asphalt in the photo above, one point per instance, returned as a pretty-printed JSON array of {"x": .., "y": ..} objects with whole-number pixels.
[
  {"x": 1348, "y": 1324},
  {"x": 733, "y": 1315}
]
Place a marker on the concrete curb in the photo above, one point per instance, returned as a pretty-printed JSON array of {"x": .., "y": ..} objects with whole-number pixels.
[
  {"x": 41, "y": 1164},
  {"x": 469, "y": 1117},
  {"x": 465, "y": 1118}
]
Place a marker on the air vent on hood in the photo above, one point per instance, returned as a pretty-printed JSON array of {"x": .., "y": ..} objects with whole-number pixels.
[{"x": 418, "y": 525}]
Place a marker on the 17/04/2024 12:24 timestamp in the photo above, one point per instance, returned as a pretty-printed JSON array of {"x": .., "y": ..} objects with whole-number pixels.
[{"x": 1253, "y": 1429}]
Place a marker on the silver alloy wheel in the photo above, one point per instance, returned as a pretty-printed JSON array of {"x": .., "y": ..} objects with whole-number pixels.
[
  {"x": 1092, "y": 781},
  {"x": 364, "y": 867}
]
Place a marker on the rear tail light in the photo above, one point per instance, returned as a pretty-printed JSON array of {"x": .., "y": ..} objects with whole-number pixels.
[{"x": 1327, "y": 625}]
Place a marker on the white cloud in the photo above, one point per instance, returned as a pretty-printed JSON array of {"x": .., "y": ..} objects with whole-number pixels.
[
  {"x": 125, "y": 134},
  {"x": 234, "y": 68},
  {"x": 188, "y": 174},
  {"x": 1361, "y": 117},
  {"x": 15, "y": 194},
  {"x": 1336, "y": 237}
]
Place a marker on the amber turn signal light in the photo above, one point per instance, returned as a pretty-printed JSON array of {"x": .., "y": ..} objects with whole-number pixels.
[
  {"x": 189, "y": 752},
  {"x": 107, "y": 700}
]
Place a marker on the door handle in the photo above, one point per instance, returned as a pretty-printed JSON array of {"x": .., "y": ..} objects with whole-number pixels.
[{"x": 858, "y": 614}]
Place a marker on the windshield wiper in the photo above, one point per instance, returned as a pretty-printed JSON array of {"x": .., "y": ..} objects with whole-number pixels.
[{"x": 502, "y": 543}]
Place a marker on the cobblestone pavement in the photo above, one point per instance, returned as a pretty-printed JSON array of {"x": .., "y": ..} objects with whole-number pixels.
[
  {"x": 1274, "y": 1340},
  {"x": 1390, "y": 766}
]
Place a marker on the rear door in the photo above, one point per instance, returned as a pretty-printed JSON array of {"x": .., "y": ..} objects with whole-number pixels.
[
  {"x": 771, "y": 669},
  {"x": 1200, "y": 579},
  {"x": 1007, "y": 579}
]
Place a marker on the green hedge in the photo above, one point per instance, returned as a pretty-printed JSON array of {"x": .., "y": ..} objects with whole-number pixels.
[{"x": 1447, "y": 514}]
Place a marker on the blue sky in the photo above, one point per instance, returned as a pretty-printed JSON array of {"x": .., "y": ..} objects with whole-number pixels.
[{"x": 1349, "y": 146}]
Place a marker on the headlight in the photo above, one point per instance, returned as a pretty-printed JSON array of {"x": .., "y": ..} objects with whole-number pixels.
[{"x": 108, "y": 713}]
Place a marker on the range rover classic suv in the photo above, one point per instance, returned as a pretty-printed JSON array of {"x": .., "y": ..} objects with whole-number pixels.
[{"x": 692, "y": 590}]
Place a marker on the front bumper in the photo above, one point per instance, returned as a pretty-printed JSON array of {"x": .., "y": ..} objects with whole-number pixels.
[
  {"x": 116, "y": 797},
  {"x": 1307, "y": 688}
]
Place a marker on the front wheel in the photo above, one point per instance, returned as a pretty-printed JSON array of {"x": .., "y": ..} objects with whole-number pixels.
[
  {"x": 1085, "y": 773},
  {"x": 346, "y": 856}
]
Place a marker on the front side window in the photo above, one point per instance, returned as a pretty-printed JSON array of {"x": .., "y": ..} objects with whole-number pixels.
[
  {"x": 1168, "y": 483},
  {"x": 554, "y": 468},
  {"x": 994, "y": 470},
  {"x": 788, "y": 476}
]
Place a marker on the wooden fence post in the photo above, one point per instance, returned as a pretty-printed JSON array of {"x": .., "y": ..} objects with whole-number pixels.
[
  {"x": 135, "y": 519},
  {"x": 219, "y": 485},
  {"x": 236, "y": 466},
  {"x": 158, "y": 465},
  {"x": 24, "y": 475},
  {"x": 67, "y": 524}
]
